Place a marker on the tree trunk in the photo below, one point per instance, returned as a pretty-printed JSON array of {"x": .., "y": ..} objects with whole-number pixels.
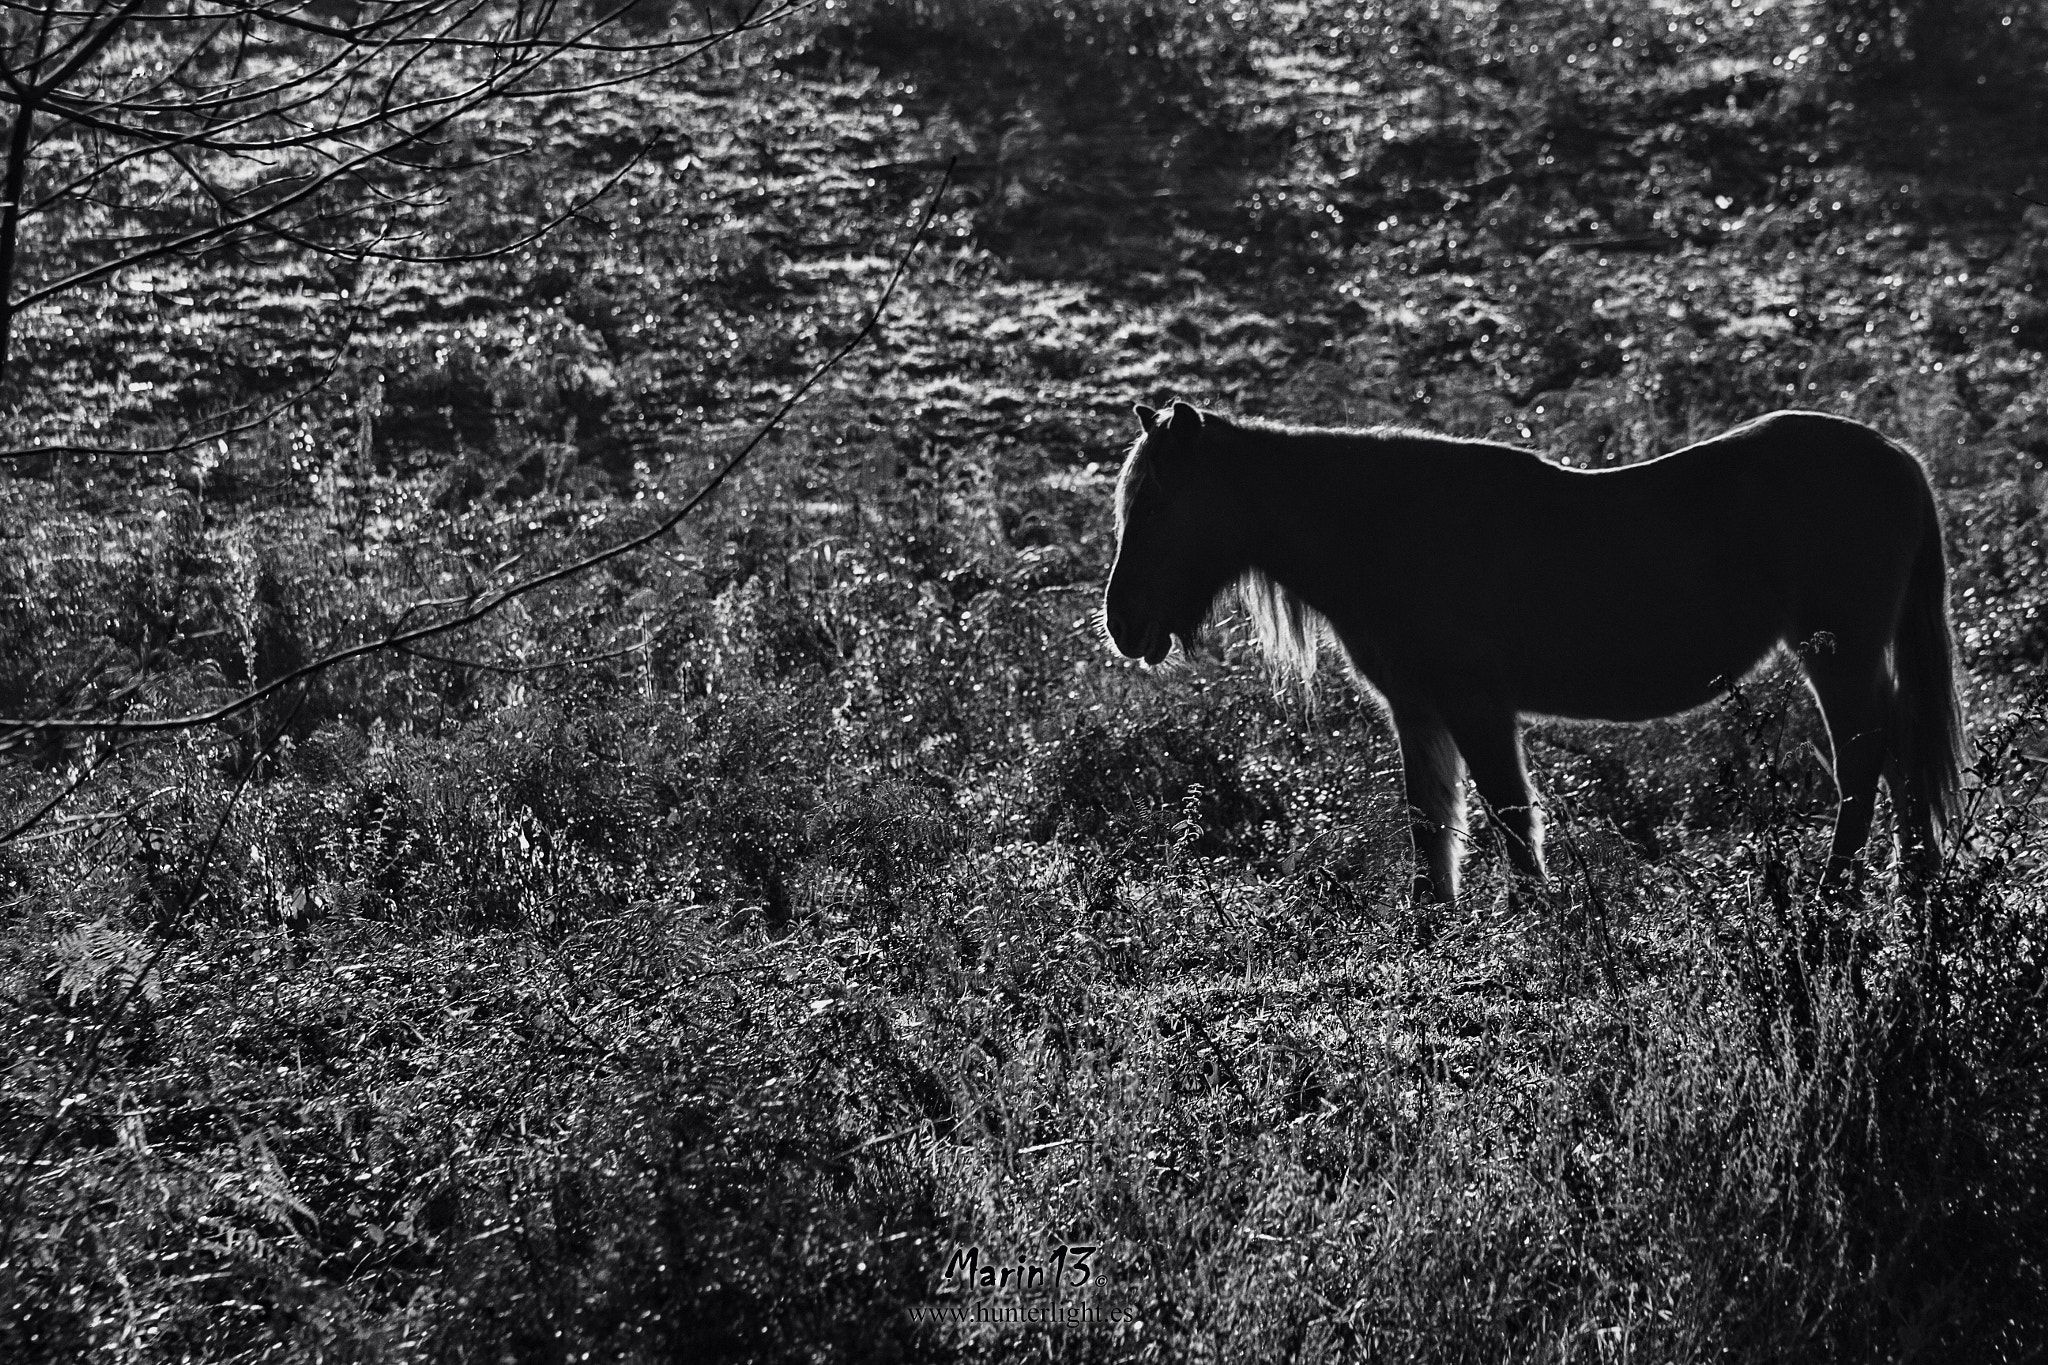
[{"x": 10, "y": 225}]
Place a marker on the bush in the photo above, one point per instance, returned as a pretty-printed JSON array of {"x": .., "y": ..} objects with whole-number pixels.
[{"x": 1123, "y": 783}]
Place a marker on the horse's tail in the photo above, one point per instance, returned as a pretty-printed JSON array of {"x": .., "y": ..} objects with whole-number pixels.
[{"x": 1926, "y": 716}]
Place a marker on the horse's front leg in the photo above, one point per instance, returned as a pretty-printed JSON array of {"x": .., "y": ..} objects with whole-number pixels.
[
  {"x": 1432, "y": 774},
  {"x": 1490, "y": 738}
]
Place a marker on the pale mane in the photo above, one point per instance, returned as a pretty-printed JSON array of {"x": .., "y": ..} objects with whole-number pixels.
[{"x": 1290, "y": 632}]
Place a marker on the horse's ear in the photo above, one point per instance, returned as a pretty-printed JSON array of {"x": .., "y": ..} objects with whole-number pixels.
[
  {"x": 1148, "y": 418},
  {"x": 1185, "y": 418}
]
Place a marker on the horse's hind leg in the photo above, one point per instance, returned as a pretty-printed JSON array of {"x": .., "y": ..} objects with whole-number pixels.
[
  {"x": 1491, "y": 742},
  {"x": 1436, "y": 801},
  {"x": 1919, "y": 852},
  {"x": 1854, "y": 690}
]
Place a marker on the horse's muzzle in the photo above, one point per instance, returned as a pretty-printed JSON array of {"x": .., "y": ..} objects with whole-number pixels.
[{"x": 1150, "y": 642}]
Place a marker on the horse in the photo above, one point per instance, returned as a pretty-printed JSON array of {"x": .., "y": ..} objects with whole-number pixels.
[{"x": 1472, "y": 583}]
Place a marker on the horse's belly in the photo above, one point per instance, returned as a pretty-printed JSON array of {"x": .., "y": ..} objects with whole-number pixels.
[
  {"x": 1597, "y": 702},
  {"x": 1632, "y": 672}
]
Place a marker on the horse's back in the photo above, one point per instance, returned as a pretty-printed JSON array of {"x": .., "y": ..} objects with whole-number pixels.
[
  {"x": 1633, "y": 592},
  {"x": 1795, "y": 496}
]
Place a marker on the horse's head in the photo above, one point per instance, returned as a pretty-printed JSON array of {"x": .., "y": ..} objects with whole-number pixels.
[{"x": 1178, "y": 543}]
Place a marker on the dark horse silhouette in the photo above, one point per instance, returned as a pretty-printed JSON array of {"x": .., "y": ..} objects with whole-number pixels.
[{"x": 1471, "y": 583}]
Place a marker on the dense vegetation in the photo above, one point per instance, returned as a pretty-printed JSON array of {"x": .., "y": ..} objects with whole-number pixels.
[{"x": 684, "y": 961}]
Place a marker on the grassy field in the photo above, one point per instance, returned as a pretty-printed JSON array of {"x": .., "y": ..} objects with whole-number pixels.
[{"x": 698, "y": 959}]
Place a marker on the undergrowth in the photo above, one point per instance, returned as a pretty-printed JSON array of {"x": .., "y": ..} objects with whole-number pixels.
[{"x": 694, "y": 960}]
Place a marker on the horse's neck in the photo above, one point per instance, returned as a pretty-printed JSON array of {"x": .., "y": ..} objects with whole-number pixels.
[{"x": 1318, "y": 514}]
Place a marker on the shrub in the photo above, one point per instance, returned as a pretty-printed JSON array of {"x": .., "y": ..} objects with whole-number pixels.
[{"x": 1124, "y": 782}]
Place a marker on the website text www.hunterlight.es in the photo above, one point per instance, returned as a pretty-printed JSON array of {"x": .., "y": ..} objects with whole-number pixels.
[{"x": 1063, "y": 1286}]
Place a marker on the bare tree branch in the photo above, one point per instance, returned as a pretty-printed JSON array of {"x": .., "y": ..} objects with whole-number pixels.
[
  {"x": 279, "y": 126},
  {"x": 479, "y": 606}
]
